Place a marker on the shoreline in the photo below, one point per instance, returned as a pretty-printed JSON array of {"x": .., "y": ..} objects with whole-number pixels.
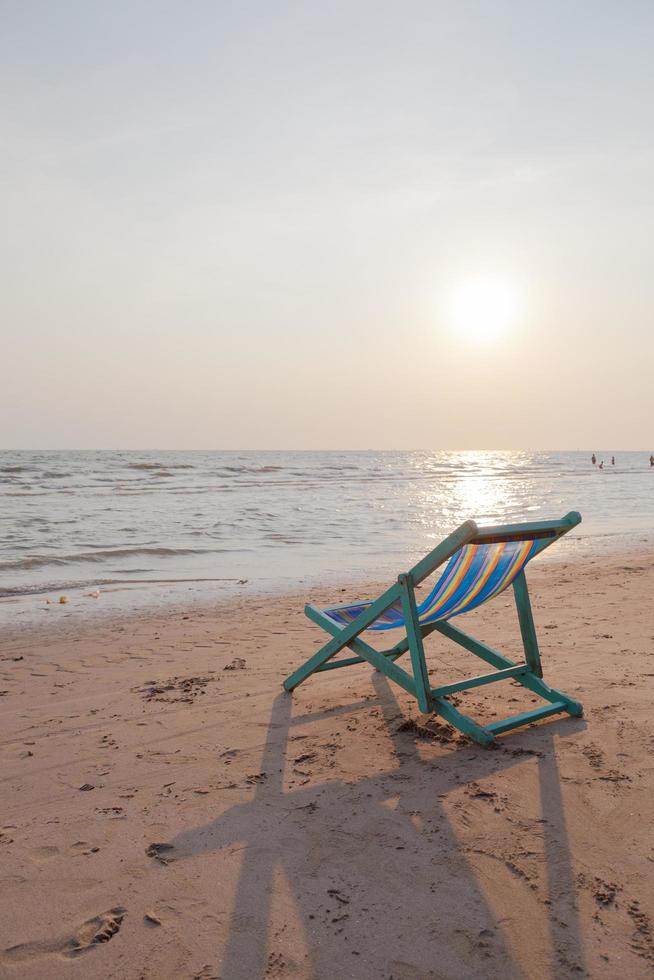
[
  {"x": 161, "y": 787},
  {"x": 151, "y": 597}
]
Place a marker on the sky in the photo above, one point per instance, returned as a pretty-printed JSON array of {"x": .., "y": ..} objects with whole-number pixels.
[{"x": 234, "y": 225}]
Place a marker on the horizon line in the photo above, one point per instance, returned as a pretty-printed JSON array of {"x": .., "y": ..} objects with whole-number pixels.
[{"x": 365, "y": 449}]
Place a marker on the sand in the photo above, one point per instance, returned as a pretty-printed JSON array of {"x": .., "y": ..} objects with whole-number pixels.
[{"x": 168, "y": 811}]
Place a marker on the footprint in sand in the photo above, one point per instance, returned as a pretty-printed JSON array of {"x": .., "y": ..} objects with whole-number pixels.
[
  {"x": 41, "y": 854},
  {"x": 83, "y": 847},
  {"x": 99, "y": 929},
  {"x": 594, "y": 755},
  {"x": 161, "y": 852}
]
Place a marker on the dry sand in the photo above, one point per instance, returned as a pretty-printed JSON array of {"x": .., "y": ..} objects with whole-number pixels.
[{"x": 165, "y": 816}]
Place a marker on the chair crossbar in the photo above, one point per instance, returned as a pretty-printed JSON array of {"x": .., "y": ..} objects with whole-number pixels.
[
  {"x": 497, "y": 727},
  {"x": 480, "y": 680},
  {"x": 350, "y": 661},
  {"x": 473, "y": 645},
  {"x": 401, "y": 596},
  {"x": 384, "y": 664},
  {"x": 524, "y": 536}
]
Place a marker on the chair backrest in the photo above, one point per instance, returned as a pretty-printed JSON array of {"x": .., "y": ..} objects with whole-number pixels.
[
  {"x": 480, "y": 568},
  {"x": 488, "y": 564},
  {"x": 479, "y": 564}
]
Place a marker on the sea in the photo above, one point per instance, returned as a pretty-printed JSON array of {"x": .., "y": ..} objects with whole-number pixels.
[{"x": 112, "y": 529}]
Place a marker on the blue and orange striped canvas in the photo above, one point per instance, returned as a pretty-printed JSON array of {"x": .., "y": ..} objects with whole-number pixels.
[{"x": 476, "y": 573}]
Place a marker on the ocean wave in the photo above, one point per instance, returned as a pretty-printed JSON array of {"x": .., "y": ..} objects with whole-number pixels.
[
  {"x": 159, "y": 466},
  {"x": 252, "y": 469},
  {"x": 42, "y": 561},
  {"x": 28, "y": 493}
]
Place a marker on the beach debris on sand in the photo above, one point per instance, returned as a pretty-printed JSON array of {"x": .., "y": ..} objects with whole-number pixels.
[
  {"x": 429, "y": 729},
  {"x": 175, "y": 689}
]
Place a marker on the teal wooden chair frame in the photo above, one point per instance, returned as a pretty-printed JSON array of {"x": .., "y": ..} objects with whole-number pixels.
[{"x": 402, "y": 595}]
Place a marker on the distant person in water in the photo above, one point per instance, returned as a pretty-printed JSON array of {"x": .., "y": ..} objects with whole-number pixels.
[
  {"x": 651, "y": 461},
  {"x": 593, "y": 459},
  {"x": 601, "y": 465},
  {"x": 612, "y": 460}
]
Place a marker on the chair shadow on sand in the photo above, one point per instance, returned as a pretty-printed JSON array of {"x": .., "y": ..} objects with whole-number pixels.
[{"x": 425, "y": 899}]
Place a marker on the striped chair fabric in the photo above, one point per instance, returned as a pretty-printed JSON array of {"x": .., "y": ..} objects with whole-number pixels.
[{"x": 474, "y": 574}]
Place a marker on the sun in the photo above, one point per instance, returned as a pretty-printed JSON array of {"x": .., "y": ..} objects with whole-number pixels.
[{"x": 482, "y": 309}]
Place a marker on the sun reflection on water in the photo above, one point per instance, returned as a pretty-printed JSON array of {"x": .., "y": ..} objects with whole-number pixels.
[
  {"x": 278, "y": 518},
  {"x": 482, "y": 485}
]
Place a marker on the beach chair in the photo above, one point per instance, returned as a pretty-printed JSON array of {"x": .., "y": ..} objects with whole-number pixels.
[{"x": 480, "y": 562}]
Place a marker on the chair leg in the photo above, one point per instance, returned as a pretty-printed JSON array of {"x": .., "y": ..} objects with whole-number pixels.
[
  {"x": 416, "y": 648},
  {"x": 324, "y": 654},
  {"x": 534, "y": 680},
  {"x": 383, "y": 662},
  {"x": 463, "y": 722},
  {"x": 341, "y": 637},
  {"x": 527, "y": 628}
]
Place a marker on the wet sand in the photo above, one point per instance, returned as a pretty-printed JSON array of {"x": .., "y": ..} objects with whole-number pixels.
[{"x": 168, "y": 811}]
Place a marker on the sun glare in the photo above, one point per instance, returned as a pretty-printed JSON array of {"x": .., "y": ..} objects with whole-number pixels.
[{"x": 482, "y": 309}]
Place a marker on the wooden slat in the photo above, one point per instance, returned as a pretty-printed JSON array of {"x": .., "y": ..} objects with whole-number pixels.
[
  {"x": 480, "y": 680},
  {"x": 496, "y": 727}
]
